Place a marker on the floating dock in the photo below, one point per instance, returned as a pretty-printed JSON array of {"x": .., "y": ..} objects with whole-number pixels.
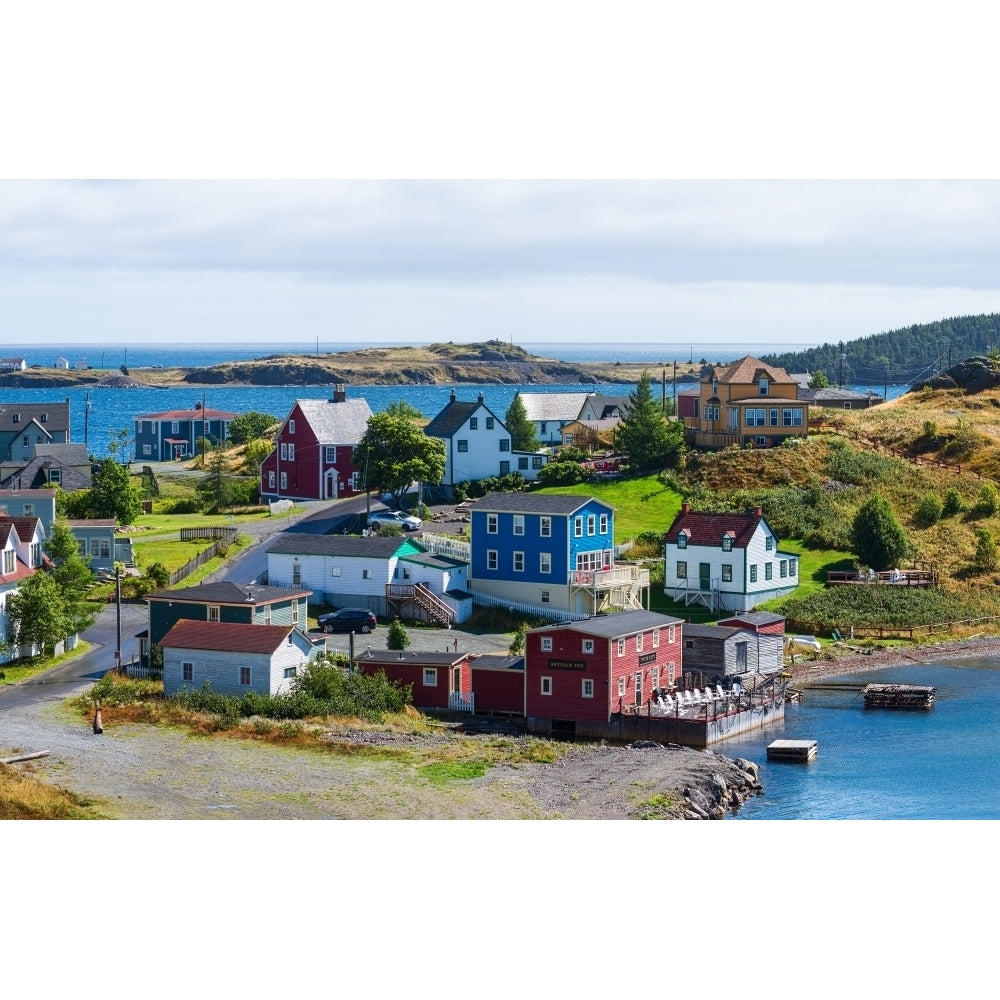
[
  {"x": 792, "y": 750},
  {"x": 903, "y": 696}
]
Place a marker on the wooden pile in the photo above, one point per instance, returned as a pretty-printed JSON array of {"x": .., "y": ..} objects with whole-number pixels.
[{"x": 905, "y": 696}]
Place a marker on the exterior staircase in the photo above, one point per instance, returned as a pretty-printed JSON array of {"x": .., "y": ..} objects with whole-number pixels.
[{"x": 399, "y": 595}]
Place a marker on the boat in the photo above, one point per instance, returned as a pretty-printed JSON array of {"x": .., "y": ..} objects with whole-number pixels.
[{"x": 802, "y": 643}]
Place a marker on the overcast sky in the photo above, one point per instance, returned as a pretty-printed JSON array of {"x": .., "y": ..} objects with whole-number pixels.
[{"x": 588, "y": 262}]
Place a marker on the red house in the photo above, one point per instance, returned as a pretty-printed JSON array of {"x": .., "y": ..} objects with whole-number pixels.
[
  {"x": 313, "y": 450},
  {"x": 590, "y": 670},
  {"x": 498, "y": 683},
  {"x": 440, "y": 680}
]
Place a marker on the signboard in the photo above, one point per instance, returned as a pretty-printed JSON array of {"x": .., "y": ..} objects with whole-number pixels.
[
  {"x": 567, "y": 665},
  {"x": 645, "y": 658}
]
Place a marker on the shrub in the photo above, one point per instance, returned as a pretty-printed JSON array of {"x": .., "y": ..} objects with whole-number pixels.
[
  {"x": 986, "y": 550},
  {"x": 928, "y": 511},
  {"x": 563, "y": 474},
  {"x": 952, "y": 503},
  {"x": 877, "y": 538},
  {"x": 989, "y": 501},
  {"x": 397, "y": 637}
]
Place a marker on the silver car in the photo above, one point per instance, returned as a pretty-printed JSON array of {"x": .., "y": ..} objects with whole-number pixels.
[{"x": 395, "y": 517}]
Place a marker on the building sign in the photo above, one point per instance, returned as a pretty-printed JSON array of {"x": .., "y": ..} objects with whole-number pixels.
[
  {"x": 567, "y": 665},
  {"x": 645, "y": 658}
]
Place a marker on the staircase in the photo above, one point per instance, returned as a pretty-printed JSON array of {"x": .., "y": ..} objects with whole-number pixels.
[{"x": 398, "y": 595}]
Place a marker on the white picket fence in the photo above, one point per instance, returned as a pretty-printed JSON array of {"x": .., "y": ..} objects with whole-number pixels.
[
  {"x": 443, "y": 545},
  {"x": 536, "y": 610},
  {"x": 461, "y": 702}
]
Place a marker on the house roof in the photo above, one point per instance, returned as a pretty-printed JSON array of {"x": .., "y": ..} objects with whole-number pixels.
[
  {"x": 746, "y": 371},
  {"x": 64, "y": 454},
  {"x": 710, "y": 632},
  {"x": 56, "y": 417},
  {"x": 91, "y": 522},
  {"x": 28, "y": 494},
  {"x": 229, "y": 593},
  {"x": 543, "y": 406},
  {"x": 498, "y": 661},
  {"x": 232, "y": 637},
  {"x": 375, "y": 546},
  {"x": 534, "y": 503},
  {"x": 709, "y": 529},
  {"x": 432, "y": 560},
  {"x": 624, "y": 623},
  {"x": 343, "y": 422},
  {"x": 74, "y": 474},
  {"x": 603, "y": 424},
  {"x": 25, "y": 524},
  {"x": 830, "y": 395},
  {"x": 416, "y": 657},
  {"x": 602, "y": 405},
  {"x": 758, "y": 618},
  {"x": 455, "y": 415},
  {"x": 195, "y": 413}
]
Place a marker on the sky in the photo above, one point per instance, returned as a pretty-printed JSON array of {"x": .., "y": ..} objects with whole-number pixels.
[{"x": 590, "y": 262}]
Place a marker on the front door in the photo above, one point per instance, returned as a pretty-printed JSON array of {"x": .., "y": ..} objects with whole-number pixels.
[
  {"x": 705, "y": 576},
  {"x": 456, "y": 679},
  {"x": 331, "y": 485},
  {"x": 638, "y": 688}
]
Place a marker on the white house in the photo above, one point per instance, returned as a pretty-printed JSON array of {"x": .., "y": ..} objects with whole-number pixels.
[
  {"x": 477, "y": 444},
  {"x": 234, "y": 657},
  {"x": 389, "y": 575},
  {"x": 551, "y": 411},
  {"x": 725, "y": 561},
  {"x": 13, "y": 569}
]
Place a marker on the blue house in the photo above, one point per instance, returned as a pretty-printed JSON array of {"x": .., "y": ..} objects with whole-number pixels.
[
  {"x": 173, "y": 434},
  {"x": 552, "y": 555}
]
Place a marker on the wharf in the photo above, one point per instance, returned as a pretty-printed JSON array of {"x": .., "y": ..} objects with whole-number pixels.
[
  {"x": 803, "y": 750},
  {"x": 904, "y": 696}
]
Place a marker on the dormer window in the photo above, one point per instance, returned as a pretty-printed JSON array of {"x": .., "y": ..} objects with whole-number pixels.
[
  {"x": 17, "y": 418},
  {"x": 763, "y": 385},
  {"x": 45, "y": 417},
  {"x": 727, "y": 543},
  {"x": 715, "y": 387},
  {"x": 682, "y": 540}
]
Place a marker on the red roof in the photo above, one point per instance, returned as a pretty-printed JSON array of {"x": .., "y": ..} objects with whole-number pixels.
[
  {"x": 25, "y": 524},
  {"x": 709, "y": 529},
  {"x": 197, "y": 414},
  {"x": 233, "y": 637}
]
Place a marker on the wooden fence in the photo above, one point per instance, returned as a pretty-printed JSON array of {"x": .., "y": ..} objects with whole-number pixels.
[
  {"x": 891, "y": 631},
  {"x": 215, "y": 531},
  {"x": 201, "y": 558}
]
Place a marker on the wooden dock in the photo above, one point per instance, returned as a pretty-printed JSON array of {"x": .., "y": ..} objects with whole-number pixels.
[
  {"x": 803, "y": 750},
  {"x": 902, "y": 696}
]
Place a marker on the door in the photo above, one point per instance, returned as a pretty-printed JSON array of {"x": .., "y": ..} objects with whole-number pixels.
[
  {"x": 456, "y": 679},
  {"x": 331, "y": 485},
  {"x": 638, "y": 689},
  {"x": 705, "y": 576},
  {"x": 741, "y": 657}
]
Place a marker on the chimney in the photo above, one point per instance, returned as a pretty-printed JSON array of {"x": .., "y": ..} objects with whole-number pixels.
[
  {"x": 759, "y": 511},
  {"x": 339, "y": 393},
  {"x": 685, "y": 508},
  {"x": 480, "y": 399},
  {"x": 452, "y": 396}
]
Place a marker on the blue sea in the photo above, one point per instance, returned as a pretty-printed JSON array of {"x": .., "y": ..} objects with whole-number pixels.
[{"x": 941, "y": 764}]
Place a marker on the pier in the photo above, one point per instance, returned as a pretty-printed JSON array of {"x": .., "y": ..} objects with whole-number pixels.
[
  {"x": 902, "y": 696},
  {"x": 801, "y": 750}
]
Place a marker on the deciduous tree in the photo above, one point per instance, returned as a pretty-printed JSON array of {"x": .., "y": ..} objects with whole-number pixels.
[
  {"x": 112, "y": 493},
  {"x": 394, "y": 452},
  {"x": 72, "y": 576},
  {"x": 249, "y": 426},
  {"x": 36, "y": 613}
]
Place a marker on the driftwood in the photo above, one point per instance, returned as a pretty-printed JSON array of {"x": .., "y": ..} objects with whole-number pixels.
[{"x": 27, "y": 756}]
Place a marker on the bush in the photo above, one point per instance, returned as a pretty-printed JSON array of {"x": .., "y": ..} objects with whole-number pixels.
[
  {"x": 989, "y": 501},
  {"x": 397, "y": 637},
  {"x": 928, "y": 511},
  {"x": 563, "y": 474},
  {"x": 986, "y": 550},
  {"x": 952, "y": 503}
]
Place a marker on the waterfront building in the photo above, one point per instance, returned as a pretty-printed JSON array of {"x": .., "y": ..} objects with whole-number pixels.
[{"x": 173, "y": 434}]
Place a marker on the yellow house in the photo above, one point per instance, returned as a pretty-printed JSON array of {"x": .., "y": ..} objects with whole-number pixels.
[{"x": 746, "y": 403}]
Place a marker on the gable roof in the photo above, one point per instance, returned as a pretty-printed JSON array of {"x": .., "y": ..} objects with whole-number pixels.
[
  {"x": 230, "y": 637},
  {"x": 756, "y": 618},
  {"x": 56, "y": 417},
  {"x": 25, "y": 524},
  {"x": 336, "y": 422},
  {"x": 544, "y": 406},
  {"x": 71, "y": 459},
  {"x": 195, "y": 413},
  {"x": 375, "y": 546},
  {"x": 709, "y": 529},
  {"x": 746, "y": 371},
  {"x": 711, "y": 631},
  {"x": 455, "y": 415},
  {"x": 225, "y": 592},
  {"x": 602, "y": 404},
  {"x": 624, "y": 623},
  {"x": 534, "y": 503}
]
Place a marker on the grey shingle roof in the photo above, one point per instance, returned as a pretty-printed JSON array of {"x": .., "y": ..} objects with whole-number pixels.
[
  {"x": 533, "y": 503},
  {"x": 624, "y": 623},
  {"x": 710, "y": 632},
  {"x": 451, "y": 418},
  {"x": 337, "y": 545},
  {"x": 553, "y": 405},
  {"x": 56, "y": 417},
  {"x": 230, "y": 593},
  {"x": 336, "y": 423},
  {"x": 757, "y": 617}
]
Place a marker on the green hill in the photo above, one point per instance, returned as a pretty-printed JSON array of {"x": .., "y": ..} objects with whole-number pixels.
[{"x": 907, "y": 355}]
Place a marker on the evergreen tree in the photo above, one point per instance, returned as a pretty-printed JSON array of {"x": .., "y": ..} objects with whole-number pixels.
[
  {"x": 522, "y": 430},
  {"x": 648, "y": 441},
  {"x": 877, "y": 538},
  {"x": 72, "y": 576},
  {"x": 819, "y": 380},
  {"x": 397, "y": 637}
]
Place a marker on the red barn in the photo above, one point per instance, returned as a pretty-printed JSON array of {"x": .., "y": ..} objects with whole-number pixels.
[
  {"x": 589, "y": 670},
  {"x": 440, "y": 680},
  {"x": 498, "y": 682},
  {"x": 313, "y": 450}
]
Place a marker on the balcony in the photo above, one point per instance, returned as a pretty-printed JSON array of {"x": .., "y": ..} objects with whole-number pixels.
[{"x": 622, "y": 575}]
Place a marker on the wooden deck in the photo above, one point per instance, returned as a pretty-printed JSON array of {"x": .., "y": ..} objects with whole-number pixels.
[
  {"x": 902, "y": 696},
  {"x": 803, "y": 750},
  {"x": 890, "y": 578}
]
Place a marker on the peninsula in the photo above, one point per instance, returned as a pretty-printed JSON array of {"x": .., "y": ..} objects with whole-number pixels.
[{"x": 436, "y": 364}]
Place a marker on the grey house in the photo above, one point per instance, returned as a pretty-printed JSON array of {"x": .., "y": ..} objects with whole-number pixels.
[{"x": 714, "y": 652}]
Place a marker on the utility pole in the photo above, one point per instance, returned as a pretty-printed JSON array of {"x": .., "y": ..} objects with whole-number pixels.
[
  {"x": 840, "y": 380},
  {"x": 118, "y": 615},
  {"x": 663, "y": 392}
]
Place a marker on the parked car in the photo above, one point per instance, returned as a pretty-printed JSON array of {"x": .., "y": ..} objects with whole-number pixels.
[
  {"x": 398, "y": 518},
  {"x": 348, "y": 620}
]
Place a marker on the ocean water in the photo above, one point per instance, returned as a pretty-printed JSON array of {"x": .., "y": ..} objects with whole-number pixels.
[{"x": 941, "y": 764}]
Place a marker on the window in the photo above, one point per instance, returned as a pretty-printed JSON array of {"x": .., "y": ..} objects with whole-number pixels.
[
  {"x": 244, "y": 676},
  {"x": 768, "y": 543},
  {"x": 504, "y": 468},
  {"x": 621, "y": 647},
  {"x": 791, "y": 567},
  {"x": 763, "y": 386},
  {"x": 267, "y": 614},
  {"x": 473, "y": 423},
  {"x": 95, "y": 548},
  {"x": 588, "y": 560},
  {"x": 546, "y": 685},
  {"x": 604, "y": 524},
  {"x": 296, "y": 574},
  {"x": 522, "y": 462},
  {"x": 768, "y": 571},
  {"x": 147, "y": 449},
  {"x": 621, "y": 687},
  {"x": 430, "y": 677},
  {"x": 682, "y": 540},
  {"x": 638, "y": 643},
  {"x": 545, "y": 597},
  {"x": 734, "y": 418},
  {"x": 753, "y": 572},
  {"x": 463, "y": 445},
  {"x": 284, "y": 480},
  {"x": 331, "y": 454},
  {"x": 187, "y": 671},
  {"x": 543, "y": 427},
  {"x": 518, "y": 562},
  {"x": 536, "y": 461},
  {"x": 656, "y": 677},
  {"x": 270, "y": 480},
  {"x": 283, "y": 451},
  {"x": 578, "y": 527},
  {"x": 847, "y": 404},
  {"x": 505, "y": 444},
  {"x": 175, "y": 427},
  {"x": 773, "y": 417},
  {"x": 761, "y": 442},
  {"x": 792, "y": 417},
  {"x": 55, "y": 475},
  {"x": 105, "y": 549},
  {"x": 518, "y": 524},
  {"x": 492, "y": 523},
  {"x": 544, "y": 562},
  {"x": 783, "y": 568},
  {"x": 491, "y": 559},
  {"x": 289, "y": 672},
  {"x": 489, "y": 425},
  {"x": 755, "y": 417},
  {"x": 591, "y": 524},
  {"x": 546, "y": 643},
  {"x": 656, "y": 640},
  {"x": 291, "y": 453},
  {"x": 295, "y": 613},
  {"x": 213, "y": 612},
  {"x": 727, "y": 543},
  {"x": 715, "y": 387},
  {"x": 670, "y": 634},
  {"x": 588, "y": 688},
  {"x": 727, "y": 572},
  {"x": 682, "y": 570},
  {"x": 588, "y": 646},
  {"x": 366, "y": 574},
  {"x": 291, "y": 426},
  {"x": 545, "y": 527}
]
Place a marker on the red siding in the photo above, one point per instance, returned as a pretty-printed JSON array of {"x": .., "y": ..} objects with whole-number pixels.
[
  {"x": 604, "y": 666},
  {"x": 498, "y": 690},
  {"x": 408, "y": 672}
]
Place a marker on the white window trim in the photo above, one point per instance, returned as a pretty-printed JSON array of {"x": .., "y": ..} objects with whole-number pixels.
[
  {"x": 546, "y": 686},
  {"x": 546, "y": 646},
  {"x": 430, "y": 677},
  {"x": 517, "y": 562},
  {"x": 587, "y": 687}
]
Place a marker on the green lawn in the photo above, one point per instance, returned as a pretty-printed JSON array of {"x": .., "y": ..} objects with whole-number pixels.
[
  {"x": 813, "y": 565},
  {"x": 642, "y": 504}
]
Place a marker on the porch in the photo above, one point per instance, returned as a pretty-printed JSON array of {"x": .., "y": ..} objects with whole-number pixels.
[{"x": 624, "y": 585}]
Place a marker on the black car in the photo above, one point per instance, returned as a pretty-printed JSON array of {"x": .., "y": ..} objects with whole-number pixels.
[{"x": 348, "y": 620}]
